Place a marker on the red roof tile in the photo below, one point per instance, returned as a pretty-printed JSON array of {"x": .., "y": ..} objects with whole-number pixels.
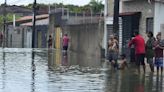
[{"x": 30, "y": 17}]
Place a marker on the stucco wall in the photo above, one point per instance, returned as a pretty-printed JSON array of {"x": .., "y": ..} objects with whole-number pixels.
[
  {"x": 15, "y": 37},
  {"x": 85, "y": 39},
  {"x": 159, "y": 17},
  {"x": 143, "y": 6}
]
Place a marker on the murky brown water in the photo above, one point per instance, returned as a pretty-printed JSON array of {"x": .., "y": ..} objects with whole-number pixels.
[{"x": 69, "y": 72}]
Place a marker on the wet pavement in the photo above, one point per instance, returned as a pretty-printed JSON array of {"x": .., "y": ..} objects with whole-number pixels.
[{"x": 41, "y": 70}]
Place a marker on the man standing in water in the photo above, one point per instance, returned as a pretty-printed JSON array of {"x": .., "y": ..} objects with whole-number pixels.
[
  {"x": 65, "y": 42},
  {"x": 113, "y": 51},
  {"x": 139, "y": 45}
]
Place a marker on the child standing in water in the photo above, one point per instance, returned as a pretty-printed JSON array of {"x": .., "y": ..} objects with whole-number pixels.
[{"x": 123, "y": 62}]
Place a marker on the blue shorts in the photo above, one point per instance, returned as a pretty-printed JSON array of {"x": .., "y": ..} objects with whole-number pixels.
[{"x": 159, "y": 62}]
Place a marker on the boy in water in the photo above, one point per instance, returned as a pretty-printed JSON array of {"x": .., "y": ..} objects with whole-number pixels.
[{"x": 123, "y": 62}]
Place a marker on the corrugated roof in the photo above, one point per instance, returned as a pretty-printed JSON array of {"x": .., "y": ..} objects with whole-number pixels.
[
  {"x": 31, "y": 17},
  {"x": 128, "y": 13}
]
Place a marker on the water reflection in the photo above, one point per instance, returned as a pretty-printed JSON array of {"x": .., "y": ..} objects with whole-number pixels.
[
  {"x": 33, "y": 68},
  {"x": 159, "y": 83},
  {"x": 128, "y": 81},
  {"x": 65, "y": 59},
  {"x": 38, "y": 70},
  {"x": 56, "y": 58},
  {"x": 3, "y": 71}
]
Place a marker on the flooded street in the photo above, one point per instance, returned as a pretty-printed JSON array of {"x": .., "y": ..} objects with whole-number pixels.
[{"x": 27, "y": 70}]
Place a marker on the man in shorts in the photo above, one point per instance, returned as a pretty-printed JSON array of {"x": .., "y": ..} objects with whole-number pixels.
[
  {"x": 139, "y": 45},
  {"x": 65, "y": 42}
]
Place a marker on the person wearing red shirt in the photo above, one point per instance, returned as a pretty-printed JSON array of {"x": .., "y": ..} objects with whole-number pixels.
[
  {"x": 139, "y": 45},
  {"x": 65, "y": 42}
]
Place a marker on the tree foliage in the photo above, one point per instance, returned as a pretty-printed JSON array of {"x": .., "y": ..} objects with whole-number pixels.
[
  {"x": 94, "y": 5},
  {"x": 8, "y": 17}
]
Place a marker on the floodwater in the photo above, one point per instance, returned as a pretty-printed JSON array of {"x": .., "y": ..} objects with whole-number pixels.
[{"x": 41, "y": 70}]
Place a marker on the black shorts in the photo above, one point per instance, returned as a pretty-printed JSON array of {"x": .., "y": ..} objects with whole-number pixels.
[
  {"x": 140, "y": 59},
  {"x": 65, "y": 47}
]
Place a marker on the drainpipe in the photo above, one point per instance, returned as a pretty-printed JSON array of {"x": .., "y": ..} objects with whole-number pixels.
[
  {"x": 83, "y": 17},
  {"x": 14, "y": 20},
  {"x": 67, "y": 13},
  {"x": 105, "y": 27},
  {"x": 91, "y": 14}
]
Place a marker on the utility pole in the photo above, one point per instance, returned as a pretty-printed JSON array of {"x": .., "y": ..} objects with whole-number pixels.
[
  {"x": 34, "y": 22},
  {"x": 116, "y": 17},
  {"x": 4, "y": 24}
]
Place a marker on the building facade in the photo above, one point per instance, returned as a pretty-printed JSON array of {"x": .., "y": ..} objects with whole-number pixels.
[
  {"x": 20, "y": 35},
  {"x": 151, "y": 14}
]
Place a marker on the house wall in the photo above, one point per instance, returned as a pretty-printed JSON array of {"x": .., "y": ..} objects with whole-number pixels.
[
  {"x": 28, "y": 37},
  {"x": 85, "y": 38},
  {"x": 19, "y": 37},
  {"x": 14, "y": 37},
  {"x": 158, "y": 18},
  {"x": 41, "y": 38},
  {"x": 85, "y": 42},
  {"x": 146, "y": 9}
]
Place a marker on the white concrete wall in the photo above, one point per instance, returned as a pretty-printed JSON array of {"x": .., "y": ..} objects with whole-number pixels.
[
  {"x": 159, "y": 17},
  {"x": 108, "y": 21},
  {"x": 29, "y": 38},
  {"x": 143, "y": 6},
  {"x": 162, "y": 30},
  {"x": 16, "y": 40}
]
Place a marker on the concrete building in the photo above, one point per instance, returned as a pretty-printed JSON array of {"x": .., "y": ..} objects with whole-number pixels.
[
  {"x": 151, "y": 14},
  {"x": 108, "y": 24},
  {"x": 141, "y": 15},
  {"x": 85, "y": 32},
  {"x": 20, "y": 34}
]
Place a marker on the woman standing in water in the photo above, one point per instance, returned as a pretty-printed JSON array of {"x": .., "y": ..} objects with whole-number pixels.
[
  {"x": 158, "y": 47},
  {"x": 150, "y": 51}
]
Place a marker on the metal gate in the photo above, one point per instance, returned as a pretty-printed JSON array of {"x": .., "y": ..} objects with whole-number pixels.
[{"x": 130, "y": 23}]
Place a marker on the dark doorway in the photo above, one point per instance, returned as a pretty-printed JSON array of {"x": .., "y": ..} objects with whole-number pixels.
[{"x": 130, "y": 23}]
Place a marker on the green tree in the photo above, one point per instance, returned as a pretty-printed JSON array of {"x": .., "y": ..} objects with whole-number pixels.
[
  {"x": 96, "y": 5},
  {"x": 9, "y": 18}
]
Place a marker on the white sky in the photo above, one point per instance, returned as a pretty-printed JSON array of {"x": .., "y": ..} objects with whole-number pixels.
[{"x": 25, "y": 2}]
